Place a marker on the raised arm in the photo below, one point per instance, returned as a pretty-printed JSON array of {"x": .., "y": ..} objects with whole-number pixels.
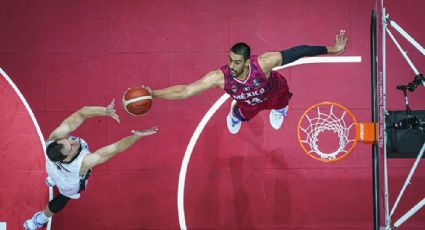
[
  {"x": 211, "y": 80},
  {"x": 270, "y": 60},
  {"x": 107, "y": 152},
  {"x": 76, "y": 119}
]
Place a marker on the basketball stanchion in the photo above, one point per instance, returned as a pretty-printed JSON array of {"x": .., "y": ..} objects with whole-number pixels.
[{"x": 329, "y": 132}]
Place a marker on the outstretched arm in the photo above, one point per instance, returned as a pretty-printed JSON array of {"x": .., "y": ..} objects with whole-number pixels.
[
  {"x": 76, "y": 119},
  {"x": 270, "y": 60},
  {"x": 107, "y": 152},
  {"x": 211, "y": 80}
]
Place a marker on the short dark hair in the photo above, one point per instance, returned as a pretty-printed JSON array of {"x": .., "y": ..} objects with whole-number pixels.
[
  {"x": 241, "y": 49},
  {"x": 54, "y": 152}
]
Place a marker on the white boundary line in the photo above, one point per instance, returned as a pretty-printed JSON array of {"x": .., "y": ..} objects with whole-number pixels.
[
  {"x": 34, "y": 121},
  {"x": 188, "y": 153},
  {"x": 214, "y": 108},
  {"x": 315, "y": 60}
]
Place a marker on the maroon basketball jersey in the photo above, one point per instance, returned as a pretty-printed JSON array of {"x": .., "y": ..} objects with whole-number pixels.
[{"x": 255, "y": 90}]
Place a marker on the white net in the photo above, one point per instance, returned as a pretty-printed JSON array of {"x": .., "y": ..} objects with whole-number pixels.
[{"x": 327, "y": 132}]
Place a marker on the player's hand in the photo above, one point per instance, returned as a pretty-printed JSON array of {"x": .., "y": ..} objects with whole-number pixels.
[
  {"x": 339, "y": 45},
  {"x": 111, "y": 112},
  {"x": 146, "y": 132}
]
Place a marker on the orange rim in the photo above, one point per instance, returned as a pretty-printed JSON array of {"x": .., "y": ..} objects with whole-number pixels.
[{"x": 323, "y": 104}]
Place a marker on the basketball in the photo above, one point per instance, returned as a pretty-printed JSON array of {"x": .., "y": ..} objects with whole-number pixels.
[{"x": 137, "y": 101}]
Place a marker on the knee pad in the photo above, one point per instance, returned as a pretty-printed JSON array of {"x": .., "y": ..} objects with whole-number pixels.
[{"x": 58, "y": 203}]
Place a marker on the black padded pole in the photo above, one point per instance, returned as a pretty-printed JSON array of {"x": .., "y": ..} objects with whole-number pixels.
[{"x": 375, "y": 150}]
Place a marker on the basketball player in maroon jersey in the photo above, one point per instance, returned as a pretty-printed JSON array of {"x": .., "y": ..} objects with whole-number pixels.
[
  {"x": 251, "y": 81},
  {"x": 69, "y": 160}
]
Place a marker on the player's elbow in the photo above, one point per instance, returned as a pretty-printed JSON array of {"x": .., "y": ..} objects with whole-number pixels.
[
  {"x": 184, "y": 92},
  {"x": 84, "y": 112},
  {"x": 84, "y": 109},
  {"x": 102, "y": 159}
]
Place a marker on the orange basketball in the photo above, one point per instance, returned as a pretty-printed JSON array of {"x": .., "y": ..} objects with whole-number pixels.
[{"x": 137, "y": 101}]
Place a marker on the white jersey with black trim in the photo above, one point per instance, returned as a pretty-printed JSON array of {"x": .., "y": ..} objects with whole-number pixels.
[{"x": 67, "y": 175}]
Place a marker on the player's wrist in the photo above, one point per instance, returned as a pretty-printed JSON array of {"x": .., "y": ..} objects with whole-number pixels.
[
  {"x": 155, "y": 93},
  {"x": 330, "y": 49}
]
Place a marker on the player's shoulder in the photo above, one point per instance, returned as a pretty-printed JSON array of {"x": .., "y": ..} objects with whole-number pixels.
[
  {"x": 215, "y": 75},
  {"x": 269, "y": 56},
  {"x": 269, "y": 60}
]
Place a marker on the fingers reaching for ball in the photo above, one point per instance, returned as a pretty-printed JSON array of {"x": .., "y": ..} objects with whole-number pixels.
[
  {"x": 110, "y": 111},
  {"x": 146, "y": 132}
]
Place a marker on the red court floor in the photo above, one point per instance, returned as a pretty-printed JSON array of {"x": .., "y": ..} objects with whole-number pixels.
[{"x": 63, "y": 55}]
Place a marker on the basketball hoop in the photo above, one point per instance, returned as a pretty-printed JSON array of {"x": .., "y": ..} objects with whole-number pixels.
[{"x": 328, "y": 132}]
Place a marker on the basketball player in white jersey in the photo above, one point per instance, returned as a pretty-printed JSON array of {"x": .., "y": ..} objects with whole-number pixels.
[{"x": 70, "y": 162}]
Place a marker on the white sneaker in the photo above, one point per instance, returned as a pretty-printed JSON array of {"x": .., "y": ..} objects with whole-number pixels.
[
  {"x": 50, "y": 182},
  {"x": 233, "y": 125},
  {"x": 33, "y": 224},
  {"x": 277, "y": 117}
]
